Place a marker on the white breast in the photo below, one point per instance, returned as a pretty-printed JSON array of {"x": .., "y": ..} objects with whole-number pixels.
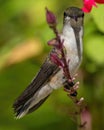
[
  {"x": 72, "y": 55},
  {"x": 71, "y": 47}
]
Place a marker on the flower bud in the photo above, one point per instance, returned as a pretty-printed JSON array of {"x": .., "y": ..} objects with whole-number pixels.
[{"x": 50, "y": 17}]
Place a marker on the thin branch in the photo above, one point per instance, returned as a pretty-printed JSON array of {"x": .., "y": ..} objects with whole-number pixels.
[{"x": 71, "y": 88}]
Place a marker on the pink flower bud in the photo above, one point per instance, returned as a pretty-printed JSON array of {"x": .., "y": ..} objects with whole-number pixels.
[
  {"x": 50, "y": 17},
  {"x": 86, "y": 119},
  {"x": 53, "y": 42}
]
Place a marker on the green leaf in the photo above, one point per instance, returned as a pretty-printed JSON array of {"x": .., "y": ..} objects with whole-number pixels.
[
  {"x": 94, "y": 48},
  {"x": 98, "y": 16}
]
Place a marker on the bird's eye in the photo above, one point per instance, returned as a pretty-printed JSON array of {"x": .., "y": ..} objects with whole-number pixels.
[
  {"x": 65, "y": 14},
  {"x": 83, "y": 15}
]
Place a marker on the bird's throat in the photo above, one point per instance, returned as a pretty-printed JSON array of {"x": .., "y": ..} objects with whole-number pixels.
[{"x": 73, "y": 37}]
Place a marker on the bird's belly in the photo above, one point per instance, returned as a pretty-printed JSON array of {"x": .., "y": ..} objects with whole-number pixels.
[
  {"x": 58, "y": 79},
  {"x": 74, "y": 61},
  {"x": 72, "y": 54}
]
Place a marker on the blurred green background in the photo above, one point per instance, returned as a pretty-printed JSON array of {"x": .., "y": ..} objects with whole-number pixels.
[{"x": 23, "y": 47}]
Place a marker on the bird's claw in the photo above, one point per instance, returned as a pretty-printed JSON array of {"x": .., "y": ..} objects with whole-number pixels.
[{"x": 73, "y": 90}]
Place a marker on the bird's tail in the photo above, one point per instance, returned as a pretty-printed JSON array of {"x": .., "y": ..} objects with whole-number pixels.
[
  {"x": 21, "y": 111},
  {"x": 33, "y": 102}
]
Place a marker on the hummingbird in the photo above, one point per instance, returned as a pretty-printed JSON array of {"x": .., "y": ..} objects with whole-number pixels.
[{"x": 50, "y": 76}]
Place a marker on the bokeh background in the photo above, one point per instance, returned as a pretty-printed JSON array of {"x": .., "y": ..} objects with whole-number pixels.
[{"x": 23, "y": 47}]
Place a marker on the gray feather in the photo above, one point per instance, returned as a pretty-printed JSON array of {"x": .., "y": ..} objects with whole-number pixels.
[{"x": 47, "y": 70}]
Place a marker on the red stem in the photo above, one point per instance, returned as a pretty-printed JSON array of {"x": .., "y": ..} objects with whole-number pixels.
[{"x": 65, "y": 68}]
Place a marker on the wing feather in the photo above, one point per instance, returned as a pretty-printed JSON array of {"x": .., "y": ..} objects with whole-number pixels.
[{"x": 47, "y": 70}]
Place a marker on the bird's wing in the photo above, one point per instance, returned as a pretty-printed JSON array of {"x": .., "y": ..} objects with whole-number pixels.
[{"x": 47, "y": 70}]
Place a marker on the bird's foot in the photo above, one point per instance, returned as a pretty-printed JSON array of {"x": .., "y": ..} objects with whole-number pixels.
[{"x": 73, "y": 90}]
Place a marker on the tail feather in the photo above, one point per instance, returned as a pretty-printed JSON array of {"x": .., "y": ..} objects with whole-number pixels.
[
  {"x": 37, "y": 105},
  {"x": 23, "y": 110},
  {"x": 37, "y": 91}
]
